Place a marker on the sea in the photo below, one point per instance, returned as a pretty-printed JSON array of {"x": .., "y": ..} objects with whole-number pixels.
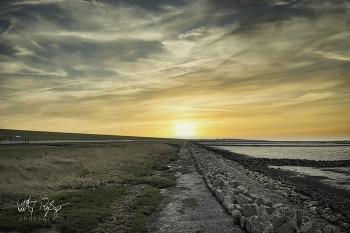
[{"x": 338, "y": 177}]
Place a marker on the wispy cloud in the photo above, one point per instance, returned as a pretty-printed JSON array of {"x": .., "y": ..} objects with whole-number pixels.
[
  {"x": 198, "y": 109},
  {"x": 239, "y": 64}
]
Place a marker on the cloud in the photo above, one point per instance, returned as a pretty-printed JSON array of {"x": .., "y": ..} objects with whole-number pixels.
[
  {"x": 198, "y": 109},
  {"x": 334, "y": 56},
  {"x": 228, "y": 62}
]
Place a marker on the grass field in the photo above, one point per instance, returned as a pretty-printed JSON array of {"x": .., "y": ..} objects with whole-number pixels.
[
  {"x": 109, "y": 189},
  {"x": 22, "y": 135}
]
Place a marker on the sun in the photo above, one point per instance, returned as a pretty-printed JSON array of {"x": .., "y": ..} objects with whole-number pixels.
[{"x": 185, "y": 129}]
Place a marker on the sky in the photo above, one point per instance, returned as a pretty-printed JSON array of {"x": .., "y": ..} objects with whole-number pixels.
[{"x": 257, "y": 69}]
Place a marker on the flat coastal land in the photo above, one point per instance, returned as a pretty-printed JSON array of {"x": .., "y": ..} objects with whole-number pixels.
[
  {"x": 83, "y": 187},
  {"x": 155, "y": 186}
]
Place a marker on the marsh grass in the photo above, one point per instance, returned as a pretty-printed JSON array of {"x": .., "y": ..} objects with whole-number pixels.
[{"x": 99, "y": 183}]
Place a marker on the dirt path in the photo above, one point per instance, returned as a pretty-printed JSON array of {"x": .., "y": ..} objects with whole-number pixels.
[{"x": 190, "y": 206}]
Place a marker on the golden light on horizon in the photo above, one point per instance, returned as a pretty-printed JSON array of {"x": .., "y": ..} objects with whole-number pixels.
[{"x": 185, "y": 129}]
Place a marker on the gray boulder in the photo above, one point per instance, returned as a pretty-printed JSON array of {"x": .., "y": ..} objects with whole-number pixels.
[
  {"x": 267, "y": 209},
  {"x": 249, "y": 222},
  {"x": 330, "y": 229},
  {"x": 298, "y": 218},
  {"x": 288, "y": 227},
  {"x": 305, "y": 219},
  {"x": 231, "y": 192},
  {"x": 241, "y": 189},
  {"x": 254, "y": 196},
  {"x": 227, "y": 201},
  {"x": 277, "y": 206},
  {"x": 261, "y": 227},
  {"x": 279, "y": 219},
  {"x": 259, "y": 201},
  {"x": 233, "y": 183},
  {"x": 266, "y": 217},
  {"x": 225, "y": 186},
  {"x": 242, "y": 222},
  {"x": 250, "y": 210},
  {"x": 241, "y": 200},
  {"x": 267, "y": 201},
  {"x": 230, "y": 208},
  {"x": 236, "y": 215},
  {"x": 218, "y": 193},
  {"x": 309, "y": 227}
]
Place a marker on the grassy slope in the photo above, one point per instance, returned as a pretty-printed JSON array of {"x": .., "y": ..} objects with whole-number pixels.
[
  {"x": 107, "y": 188},
  {"x": 39, "y": 135}
]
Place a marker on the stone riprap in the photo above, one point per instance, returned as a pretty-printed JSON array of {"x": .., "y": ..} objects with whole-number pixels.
[{"x": 257, "y": 202}]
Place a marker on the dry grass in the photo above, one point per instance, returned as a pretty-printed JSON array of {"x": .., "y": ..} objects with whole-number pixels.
[
  {"x": 111, "y": 188},
  {"x": 36, "y": 171}
]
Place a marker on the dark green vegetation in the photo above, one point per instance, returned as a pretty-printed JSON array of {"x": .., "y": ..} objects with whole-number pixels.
[
  {"x": 112, "y": 188},
  {"x": 6, "y": 134}
]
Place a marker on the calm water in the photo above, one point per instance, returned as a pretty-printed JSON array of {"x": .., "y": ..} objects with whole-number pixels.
[
  {"x": 338, "y": 177},
  {"x": 330, "y": 152}
]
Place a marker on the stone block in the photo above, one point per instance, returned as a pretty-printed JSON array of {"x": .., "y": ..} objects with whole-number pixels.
[
  {"x": 250, "y": 210},
  {"x": 222, "y": 196},
  {"x": 230, "y": 208},
  {"x": 247, "y": 194},
  {"x": 218, "y": 193},
  {"x": 309, "y": 227},
  {"x": 237, "y": 207},
  {"x": 227, "y": 201},
  {"x": 241, "y": 189},
  {"x": 267, "y": 209},
  {"x": 305, "y": 219},
  {"x": 241, "y": 200},
  {"x": 254, "y": 196},
  {"x": 236, "y": 215},
  {"x": 259, "y": 201},
  {"x": 249, "y": 222},
  {"x": 242, "y": 222},
  {"x": 278, "y": 220},
  {"x": 261, "y": 227},
  {"x": 288, "y": 227},
  {"x": 225, "y": 186},
  {"x": 267, "y": 201},
  {"x": 330, "y": 229},
  {"x": 328, "y": 211},
  {"x": 233, "y": 184},
  {"x": 265, "y": 216},
  {"x": 298, "y": 218},
  {"x": 277, "y": 206},
  {"x": 211, "y": 188},
  {"x": 216, "y": 182}
]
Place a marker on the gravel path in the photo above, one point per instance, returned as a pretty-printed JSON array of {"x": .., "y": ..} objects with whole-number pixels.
[{"x": 190, "y": 206}]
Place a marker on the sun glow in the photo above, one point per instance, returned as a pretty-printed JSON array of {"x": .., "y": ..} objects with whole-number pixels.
[{"x": 185, "y": 129}]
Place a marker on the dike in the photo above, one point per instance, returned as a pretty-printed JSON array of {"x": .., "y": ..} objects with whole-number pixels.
[{"x": 260, "y": 203}]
